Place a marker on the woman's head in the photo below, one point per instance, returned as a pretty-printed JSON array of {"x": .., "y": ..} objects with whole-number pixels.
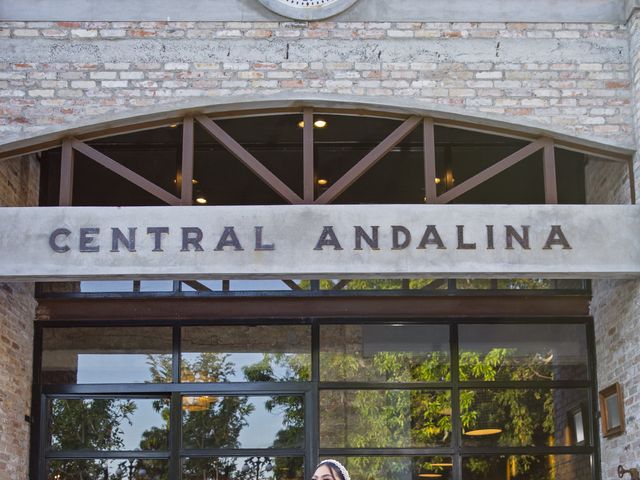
[{"x": 330, "y": 470}]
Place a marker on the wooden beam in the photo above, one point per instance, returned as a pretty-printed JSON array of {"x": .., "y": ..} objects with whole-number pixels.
[
  {"x": 186, "y": 187},
  {"x": 429, "y": 146},
  {"x": 249, "y": 160},
  {"x": 632, "y": 182},
  {"x": 292, "y": 285},
  {"x": 369, "y": 160},
  {"x": 341, "y": 284},
  {"x": 125, "y": 172},
  {"x": 307, "y": 142},
  {"x": 549, "y": 167},
  {"x": 492, "y": 171},
  {"x": 66, "y": 174},
  {"x": 241, "y": 308},
  {"x": 197, "y": 286}
]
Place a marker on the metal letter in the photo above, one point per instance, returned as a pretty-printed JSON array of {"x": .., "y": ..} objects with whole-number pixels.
[
  {"x": 327, "y": 239},
  {"x": 188, "y": 239},
  {"x": 372, "y": 240},
  {"x": 54, "y": 236},
  {"x": 431, "y": 237},
  {"x": 86, "y": 239},
  {"x": 556, "y": 237},
  {"x": 228, "y": 239},
  {"x": 461, "y": 244},
  {"x": 157, "y": 237},
  {"x": 396, "y": 230},
  {"x": 259, "y": 245},
  {"x": 513, "y": 235},
  {"x": 118, "y": 237}
]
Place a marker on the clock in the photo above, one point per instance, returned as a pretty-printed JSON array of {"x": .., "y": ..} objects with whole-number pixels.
[{"x": 308, "y": 9}]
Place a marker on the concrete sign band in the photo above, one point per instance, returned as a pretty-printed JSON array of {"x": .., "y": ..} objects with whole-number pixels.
[{"x": 308, "y": 9}]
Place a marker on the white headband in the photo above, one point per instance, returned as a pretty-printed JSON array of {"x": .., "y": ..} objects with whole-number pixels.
[{"x": 343, "y": 471}]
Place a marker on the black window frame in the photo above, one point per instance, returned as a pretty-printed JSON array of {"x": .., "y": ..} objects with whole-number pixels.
[{"x": 311, "y": 451}]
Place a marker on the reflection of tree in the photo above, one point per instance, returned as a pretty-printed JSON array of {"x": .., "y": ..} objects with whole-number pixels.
[
  {"x": 87, "y": 424},
  {"x": 292, "y": 434},
  {"x": 207, "y": 421}
]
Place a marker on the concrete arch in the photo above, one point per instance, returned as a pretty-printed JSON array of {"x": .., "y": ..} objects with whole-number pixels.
[{"x": 156, "y": 116}]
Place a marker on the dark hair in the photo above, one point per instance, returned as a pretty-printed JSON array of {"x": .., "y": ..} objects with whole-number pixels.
[{"x": 335, "y": 471}]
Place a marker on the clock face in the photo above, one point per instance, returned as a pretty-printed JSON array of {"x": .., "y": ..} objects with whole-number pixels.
[{"x": 308, "y": 9}]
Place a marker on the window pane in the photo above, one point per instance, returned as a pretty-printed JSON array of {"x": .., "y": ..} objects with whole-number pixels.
[
  {"x": 384, "y": 418},
  {"x": 106, "y": 355},
  {"x": 108, "y": 424},
  {"x": 242, "y": 422},
  {"x": 527, "y": 467},
  {"x": 519, "y": 417},
  {"x": 233, "y": 468},
  {"x": 397, "y": 468},
  {"x": 99, "y": 469},
  {"x": 246, "y": 353},
  {"x": 384, "y": 353},
  {"x": 523, "y": 352}
]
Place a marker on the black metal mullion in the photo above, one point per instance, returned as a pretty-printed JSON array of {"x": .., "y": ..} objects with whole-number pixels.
[
  {"x": 592, "y": 422},
  {"x": 395, "y": 452},
  {"x": 36, "y": 432},
  {"x": 241, "y": 452},
  {"x": 175, "y": 354},
  {"x": 147, "y": 390},
  {"x": 175, "y": 436},
  {"x": 84, "y": 454},
  {"x": 312, "y": 409},
  {"x": 456, "y": 424},
  {"x": 384, "y": 386}
]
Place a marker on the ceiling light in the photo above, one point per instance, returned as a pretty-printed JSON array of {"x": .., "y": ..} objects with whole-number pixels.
[
  {"x": 322, "y": 181},
  {"x": 317, "y": 123},
  {"x": 483, "y": 432},
  {"x": 430, "y": 475},
  {"x": 437, "y": 180},
  {"x": 201, "y": 200},
  {"x": 173, "y": 125}
]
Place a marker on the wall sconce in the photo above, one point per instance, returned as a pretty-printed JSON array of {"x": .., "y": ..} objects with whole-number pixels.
[
  {"x": 635, "y": 474},
  {"x": 612, "y": 410}
]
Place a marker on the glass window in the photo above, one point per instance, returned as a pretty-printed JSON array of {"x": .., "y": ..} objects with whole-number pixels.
[
  {"x": 107, "y": 424},
  {"x": 527, "y": 467},
  {"x": 384, "y": 418},
  {"x": 397, "y": 468},
  {"x": 519, "y": 417},
  {"x": 106, "y": 355},
  {"x": 384, "y": 353},
  {"x": 242, "y": 422},
  {"x": 523, "y": 352},
  {"x": 246, "y": 354},
  {"x": 98, "y": 469},
  {"x": 243, "y": 468}
]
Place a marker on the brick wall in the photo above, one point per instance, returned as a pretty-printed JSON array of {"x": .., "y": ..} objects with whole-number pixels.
[
  {"x": 616, "y": 304},
  {"x": 571, "y": 77},
  {"x": 18, "y": 187}
]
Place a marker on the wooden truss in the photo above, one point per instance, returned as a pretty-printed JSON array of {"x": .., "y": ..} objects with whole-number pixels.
[{"x": 71, "y": 145}]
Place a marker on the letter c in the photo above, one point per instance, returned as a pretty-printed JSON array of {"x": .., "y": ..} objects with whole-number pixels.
[{"x": 54, "y": 237}]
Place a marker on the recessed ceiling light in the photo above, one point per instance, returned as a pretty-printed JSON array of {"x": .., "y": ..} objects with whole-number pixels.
[
  {"x": 322, "y": 181},
  {"x": 317, "y": 123},
  {"x": 201, "y": 200},
  {"x": 173, "y": 125},
  {"x": 437, "y": 180},
  {"x": 430, "y": 475}
]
